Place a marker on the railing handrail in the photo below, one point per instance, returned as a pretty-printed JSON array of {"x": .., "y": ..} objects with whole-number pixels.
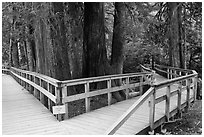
[
  {"x": 42, "y": 76},
  {"x": 129, "y": 112},
  {"x": 61, "y": 97},
  {"x": 175, "y": 68},
  {"x": 103, "y": 78},
  {"x": 143, "y": 98},
  {"x": 174, "y": 80},
  {"x": 83, "y": 80},
  {"x": 147, "y": 69}
]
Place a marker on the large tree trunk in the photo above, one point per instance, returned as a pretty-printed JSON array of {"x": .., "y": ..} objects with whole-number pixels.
[
  {"x": 117, "y": 56},
  {"x": 180, "y": 43},
  {"x": 173, "y": 35},
  {"x": 15, "y": 54},
  {"x": 50, "y": 38},
  {"x": 60, "y": 47},
  {"x": 95, "y": 62},
  {"x": 74, "y": 37},
  {"x": 10, "y": 51},
  {"x": 94, "y": 40}
]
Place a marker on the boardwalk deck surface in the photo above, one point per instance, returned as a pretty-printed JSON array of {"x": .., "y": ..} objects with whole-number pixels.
[{"x": 24, "y": 114}]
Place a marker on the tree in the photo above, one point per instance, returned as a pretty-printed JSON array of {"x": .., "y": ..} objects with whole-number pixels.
[
  {"x": 74, "y": 36},
  {"x": 117, "y": 56},
  {"x": 95, "y": 62}
]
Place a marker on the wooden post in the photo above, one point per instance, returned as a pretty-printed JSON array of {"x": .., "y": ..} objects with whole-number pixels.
[
  {"x": 186, "y": 80},
  {"x": 49, "y": 101},
  {"x": 42, "y": 97},
  {"x": 167, "y": 102},
  {"x": 179, "y": 99},
  {"x": 180, "y": 73},
  {"x": 172, "y": 71},
  {"x": 195, "y": 82},
  {"x": 152, "y": 110},
  {"x": 175, "y": 73},
  {"x": 64, "y": 94},
  {"x": 170, "y": 75},
  {"x": 141, "y": 85},
  {"x": 28, "y": 85},
  {"x": 32, "y": 88},
  {"x": 167, "y": 73},
  {"x": 87, "y": 99},
  {"x": 109, "y": 93},
  {"x": 35, "y": 90},
  {"x": 188, "y": 95},
  {"x": 58, "y": 94}
]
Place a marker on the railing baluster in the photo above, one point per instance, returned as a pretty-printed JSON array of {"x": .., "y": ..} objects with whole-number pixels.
[
  {"x": 186, "y": 80},
  {"x": 141, "y": 85},
  {"x": 58, "y": 94},
  {"x": 152, "y": 110},
  {"x": 109, "y": 93},
  {"x": 175, "y": 73},
  {"x": 179, "y": 73},
  {"x": 179, "y": 99},
  {"x": 195, "y": 86},
  {"x": 168, "y": 73},
  {"x": 167, "y": 102},
  {"x": 188, "y": 95},
  {"x": 35, "y": 90},
  {"x": 64, "y": 94},
  {"x": 42, "y": 97},
  {"x": 49, "y": 101},
  {"x": 87, "y": 99}
]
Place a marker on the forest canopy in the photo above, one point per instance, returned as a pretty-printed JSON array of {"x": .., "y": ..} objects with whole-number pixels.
[{"x": 69, "y": 40}]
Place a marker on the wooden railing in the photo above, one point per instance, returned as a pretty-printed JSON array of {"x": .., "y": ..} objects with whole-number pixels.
[
  {"x": 52, "y": 92},
  {"x": 150, "y": 95},
  {"x": 131, "y": 80}
]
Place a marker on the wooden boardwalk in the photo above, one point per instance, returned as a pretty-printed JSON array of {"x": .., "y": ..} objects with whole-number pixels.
[{"x": 24, "y": 114}]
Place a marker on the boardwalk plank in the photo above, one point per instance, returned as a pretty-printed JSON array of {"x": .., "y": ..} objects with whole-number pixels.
[{"x": 24, "y": 114}]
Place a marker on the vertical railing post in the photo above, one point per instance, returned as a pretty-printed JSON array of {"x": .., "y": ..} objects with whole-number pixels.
[
  {"x": 170, "y": 73},
  {"x": 179, "y": 99},
  {"x": 35, "y": 90},
  {"x": 179, "y": 73},
  {"x": 175, "y": 73},
  {"x": 64, "y": 94},
  {"x": 152, "y": 110},
  {"x": 195, "y": 83},
  {"x": 49, "y": 101},
  {"x": 42, "y": 97},
  {"x": 186, "y": 80},
  {"x": 141, "y": 85},
  {"x": 127, "y": 81},
  {"x": 167, "y": 102},
  {"x": 58, "y": 94},
  {"x": 167, "y": 73},
  {"x": 188, "y": 95},
  {"x": 87, "y": 99},
  {"x": 109, "y": 93}
]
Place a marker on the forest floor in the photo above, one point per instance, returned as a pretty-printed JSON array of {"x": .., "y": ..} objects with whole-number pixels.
[{"x": 189, "y": 124}]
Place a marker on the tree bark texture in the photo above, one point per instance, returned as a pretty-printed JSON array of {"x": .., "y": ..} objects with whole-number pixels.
[
  {"x": 74, "y": 37},
  {"x": 95, "y": 62},
  {"x": 15, "y": 54},
  {"x": 117, "y": 56},
  {"x": 94, "y": 58},
  {"x": 60, "y": 47},
  {"x": 51, "y": 48},
  {"x": 174, "y": 57},
  {"x": 180, "y": 43}
]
